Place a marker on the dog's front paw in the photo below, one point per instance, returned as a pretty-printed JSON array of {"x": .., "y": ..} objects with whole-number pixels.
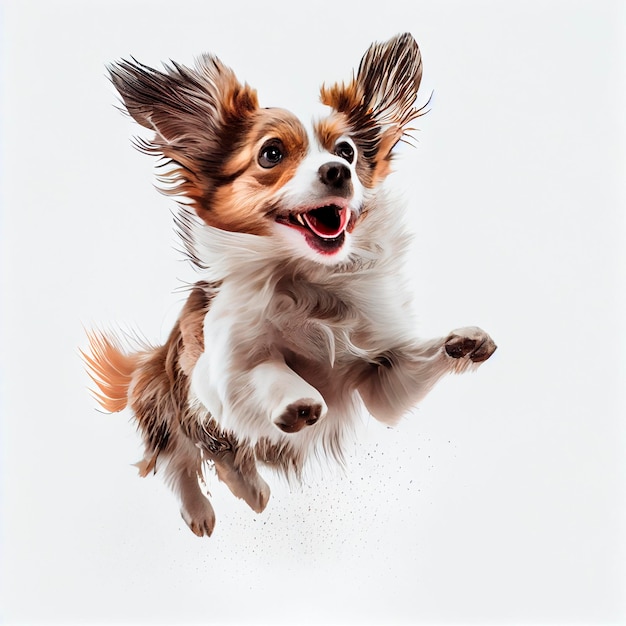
[
  {"x": 301, "y": 413},
  {"x": 472, "y": 344}
]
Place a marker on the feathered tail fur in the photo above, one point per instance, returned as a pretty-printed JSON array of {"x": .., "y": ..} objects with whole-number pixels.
[{"x": 111, "y": 369}]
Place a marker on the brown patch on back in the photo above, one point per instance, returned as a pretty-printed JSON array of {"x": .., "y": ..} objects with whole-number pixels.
[
  {"x": 156, "y": 396},
  {"x": 191, "y": 323}
]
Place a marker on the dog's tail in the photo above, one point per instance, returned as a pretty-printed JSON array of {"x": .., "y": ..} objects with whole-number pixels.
[
  {"x": 142, "y": 380},
  {"x": 111, "y": 368}
]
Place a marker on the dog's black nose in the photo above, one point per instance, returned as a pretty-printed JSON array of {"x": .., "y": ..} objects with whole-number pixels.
[{"x": 335, "y": 175}]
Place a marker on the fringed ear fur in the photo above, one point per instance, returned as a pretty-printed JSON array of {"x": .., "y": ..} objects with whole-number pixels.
[
  {"x": 389, "y": 76},
  {"x": 379, "y": 102},
  {"x": 197, "y": 115}
]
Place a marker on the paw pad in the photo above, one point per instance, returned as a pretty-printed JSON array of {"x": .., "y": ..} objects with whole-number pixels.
[
  {"x": 472, "y": 343},
  {"x": 299, "y": 414}
]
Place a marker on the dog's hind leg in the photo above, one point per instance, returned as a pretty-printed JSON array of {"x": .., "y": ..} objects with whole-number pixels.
[
  {"x": 157, "y": 397},
  {"x": 195, "y": 508},
  {"x": 237, "y": 468},
  {"x": 183, "y": 469}
]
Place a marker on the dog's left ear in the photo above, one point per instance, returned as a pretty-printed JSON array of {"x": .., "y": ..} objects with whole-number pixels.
[{"x": 379, "y": 102}]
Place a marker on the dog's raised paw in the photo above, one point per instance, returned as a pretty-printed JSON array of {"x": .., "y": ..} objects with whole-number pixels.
[
  {"x": 470, "y": 343},
  {"x": 298, "y": 414}
]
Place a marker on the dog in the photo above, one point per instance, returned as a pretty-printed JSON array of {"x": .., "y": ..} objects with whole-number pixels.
[{"x": 301, "y": 322}]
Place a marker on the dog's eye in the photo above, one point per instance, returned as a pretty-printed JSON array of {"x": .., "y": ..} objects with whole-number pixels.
[
  {"x": 271, "y": 154},
  {"x": 344, "y": 150}
]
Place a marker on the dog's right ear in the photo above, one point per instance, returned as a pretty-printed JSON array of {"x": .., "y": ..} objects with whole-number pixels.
[{"x": 193, "y": 113}]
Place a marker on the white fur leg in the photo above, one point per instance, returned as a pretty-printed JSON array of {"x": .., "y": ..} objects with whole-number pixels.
[
  {"x": 406, "y": 375},
  {"x": 290, "y": 402}
]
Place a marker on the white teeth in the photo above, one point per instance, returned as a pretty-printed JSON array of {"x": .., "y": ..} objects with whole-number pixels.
[{"x": 300, "y": 219}]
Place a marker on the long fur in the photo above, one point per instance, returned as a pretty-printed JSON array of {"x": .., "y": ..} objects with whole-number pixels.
[{"x": 301, "y": 321}]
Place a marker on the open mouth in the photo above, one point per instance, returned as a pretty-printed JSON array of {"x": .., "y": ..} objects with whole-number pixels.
[{"x": 324, "y": 227}]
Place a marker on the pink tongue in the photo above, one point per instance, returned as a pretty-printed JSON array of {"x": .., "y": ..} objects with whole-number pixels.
[{"x": 327, "y": 222}]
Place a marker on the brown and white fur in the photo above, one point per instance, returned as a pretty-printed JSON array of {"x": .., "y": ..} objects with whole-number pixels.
[{"x": 300, "y": 320}]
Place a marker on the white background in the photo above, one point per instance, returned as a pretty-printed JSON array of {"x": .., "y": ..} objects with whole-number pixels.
[{"x": 501, "y": 499}]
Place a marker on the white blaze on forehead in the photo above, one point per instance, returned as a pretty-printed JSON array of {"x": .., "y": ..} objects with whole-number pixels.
[{"x": 309, "y": 116}]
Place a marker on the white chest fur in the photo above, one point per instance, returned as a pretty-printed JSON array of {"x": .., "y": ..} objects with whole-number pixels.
[{"x": 282, "y": 329}]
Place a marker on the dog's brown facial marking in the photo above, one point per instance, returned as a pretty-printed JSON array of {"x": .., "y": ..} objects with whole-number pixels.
[
  {"x": 274, "y": 147},
  {"x": 330, "y": 129}
]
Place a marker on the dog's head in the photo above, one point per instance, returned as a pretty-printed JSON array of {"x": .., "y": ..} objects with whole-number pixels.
[{"x": 261, "y": 171}]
